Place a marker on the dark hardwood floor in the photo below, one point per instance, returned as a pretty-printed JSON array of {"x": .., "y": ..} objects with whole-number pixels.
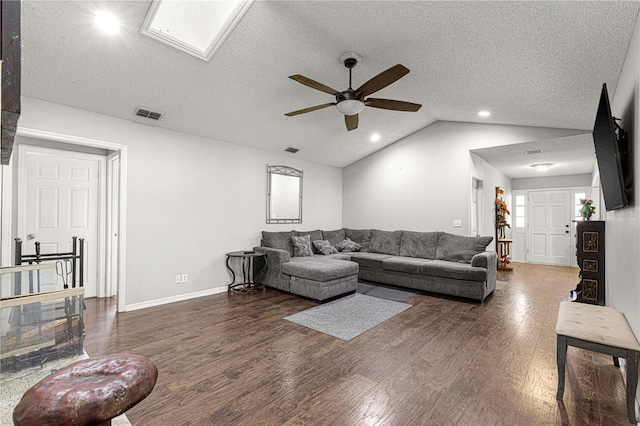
[{"x": 232, "y": 359}]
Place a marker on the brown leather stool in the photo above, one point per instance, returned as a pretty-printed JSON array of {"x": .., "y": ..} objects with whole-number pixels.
[{"x": 88, "y": 392}]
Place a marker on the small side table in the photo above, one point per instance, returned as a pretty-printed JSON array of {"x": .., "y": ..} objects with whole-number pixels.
[
  {"x": 504, "y": 249},
  {"x": 247, "y": 269}
]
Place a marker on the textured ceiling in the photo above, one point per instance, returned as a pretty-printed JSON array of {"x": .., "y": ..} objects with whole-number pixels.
[
  {"x": 571, "y": 155},
  {"x": 530, "y": 63}
]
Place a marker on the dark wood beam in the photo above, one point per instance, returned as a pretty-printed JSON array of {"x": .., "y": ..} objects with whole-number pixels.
[{"x": 10, "y": 54}]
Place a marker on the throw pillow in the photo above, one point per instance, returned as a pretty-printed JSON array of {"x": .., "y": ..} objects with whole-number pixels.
[
  {"x": 324, "y": 247},
  {"x": 456, "y": 248},
  {"x": 313, "y": 236},
  {"x": 301, "y": 246},
  {"x": 347, "y": 245}
]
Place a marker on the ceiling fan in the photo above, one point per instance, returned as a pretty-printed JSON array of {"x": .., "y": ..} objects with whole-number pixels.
[{"x": 350, "y": 102}]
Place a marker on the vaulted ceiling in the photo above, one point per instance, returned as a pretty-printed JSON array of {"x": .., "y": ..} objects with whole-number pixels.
[{"x": 529, "y": 63}]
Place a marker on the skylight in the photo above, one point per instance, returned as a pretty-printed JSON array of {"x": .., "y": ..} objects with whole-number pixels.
[{"x": 195, "y": 27}]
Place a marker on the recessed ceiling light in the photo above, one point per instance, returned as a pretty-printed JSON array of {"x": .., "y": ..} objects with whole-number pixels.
[
  {"x": 484, "y": 113},
  {"x": 375, "y": 137},
  {"x": 107, "y": 22},
  {"x": 542, "y": 167}
]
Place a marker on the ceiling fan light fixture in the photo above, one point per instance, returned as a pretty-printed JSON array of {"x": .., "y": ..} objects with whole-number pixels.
[
  {"x": 350, "y": 106},
  {"x": 542, "y": 167}
]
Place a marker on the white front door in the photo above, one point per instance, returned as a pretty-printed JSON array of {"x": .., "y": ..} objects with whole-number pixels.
[
  {"x": 549, "y": 227},
  {"x": 59, "y": 193}
]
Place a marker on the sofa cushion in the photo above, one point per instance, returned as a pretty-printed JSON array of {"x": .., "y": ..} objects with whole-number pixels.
[
  {"x": 347, "y": 245},
  {"x": 341, "y": 256},
  {"x": 278, "y": 240},
  {"x": 313, "y": 235},
  {"x": 387, "y": 242},
  {"x": 324, "y": 247},
  {"x": 301, "y": 246},
  {"x": 419, "y": 244},
  {"x": 456, "y": 248},
  {"x": 327, "y": 270},
  {"x": 410, "y": 265},
  {"x": 334, "y": 237},
  {"x": 454, "y": 270},
  {"x": 360, "y": 236},
  {"x": 370, "y": 260}
]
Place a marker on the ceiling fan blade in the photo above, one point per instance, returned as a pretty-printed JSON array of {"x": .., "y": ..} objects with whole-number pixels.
[
  {"x": 351, "y": 121},
  {"x": 391, "y": 104},
  {"x": 313, "y": 108},
  {"x": 382, "y": 80},
  {"x": 313, "y": 84}
]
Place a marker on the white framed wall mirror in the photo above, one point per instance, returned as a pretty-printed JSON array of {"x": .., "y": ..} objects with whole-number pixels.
[{"x": 284, "y": 195}]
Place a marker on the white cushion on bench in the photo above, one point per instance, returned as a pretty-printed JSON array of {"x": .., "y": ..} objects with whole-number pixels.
[{"x": 598, "y": 324}]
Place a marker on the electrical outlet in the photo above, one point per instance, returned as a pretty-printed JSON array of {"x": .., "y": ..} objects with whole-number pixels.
[
  {"x": 457, "y": 223},
  {"x": 185, "y": 278},
  {"x": 178, "y": 280}
]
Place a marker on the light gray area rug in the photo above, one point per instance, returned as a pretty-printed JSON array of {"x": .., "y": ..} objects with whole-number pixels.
[
  {"x": 348, "y": 316},
  {"x": 384, "y": 292}
]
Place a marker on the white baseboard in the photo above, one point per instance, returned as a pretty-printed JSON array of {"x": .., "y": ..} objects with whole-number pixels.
[{"x": 178, "y": 298}]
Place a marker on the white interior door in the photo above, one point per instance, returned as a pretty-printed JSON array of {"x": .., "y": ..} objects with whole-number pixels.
[
  {"x": 549, "y": 226},
  {"x": 59, "y": 193}
]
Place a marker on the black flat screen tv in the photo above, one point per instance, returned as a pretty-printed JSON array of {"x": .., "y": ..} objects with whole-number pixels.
[{"x": 607, "y": 138}]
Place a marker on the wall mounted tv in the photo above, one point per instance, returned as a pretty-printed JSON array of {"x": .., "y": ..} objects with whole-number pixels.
[{"x": 610, "y": 143}]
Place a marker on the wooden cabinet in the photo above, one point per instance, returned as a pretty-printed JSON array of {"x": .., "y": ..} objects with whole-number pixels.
[{"x": 590, "y": 254}]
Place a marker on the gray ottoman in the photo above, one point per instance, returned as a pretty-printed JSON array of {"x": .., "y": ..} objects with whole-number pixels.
[{"x": 322, "y": 280}]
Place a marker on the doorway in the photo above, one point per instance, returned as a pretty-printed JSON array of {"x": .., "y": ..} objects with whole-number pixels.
[
  {"x": 549, "y": 231},
  {"x": 539, "y": 225},
  {"x": 116, "y": 180}
]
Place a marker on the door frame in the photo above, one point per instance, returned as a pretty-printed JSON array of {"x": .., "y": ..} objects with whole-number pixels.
[
  {"x": 477, "y": 186},
  {"x": 111, "y": 256},
  {"x": 122, "y": 199},
  {"x": 101, "y": 207},
  {"x": 526, "y": 192}
]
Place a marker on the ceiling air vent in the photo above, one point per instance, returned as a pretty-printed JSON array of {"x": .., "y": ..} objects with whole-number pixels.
[
  {"x": 292, "y": 150},
  {"x": 148, "y": 114},
  {"x": 533, "y": 151}
]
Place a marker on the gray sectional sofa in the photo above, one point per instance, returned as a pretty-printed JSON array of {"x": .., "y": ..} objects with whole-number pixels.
[{"x": 436, "y": 262}]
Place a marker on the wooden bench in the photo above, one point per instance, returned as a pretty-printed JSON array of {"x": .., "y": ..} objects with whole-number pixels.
[{"x": 600, "y": 329}]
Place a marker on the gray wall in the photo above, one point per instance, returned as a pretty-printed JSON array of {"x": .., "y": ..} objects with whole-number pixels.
[
  {"x": 623, "y": 226},
  {"x": 423, "y": 182},
  {"x": 190, "y": 199}
]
